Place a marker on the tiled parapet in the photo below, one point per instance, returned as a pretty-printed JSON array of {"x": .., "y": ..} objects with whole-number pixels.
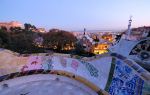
[
  {"x": 35, "y": 64},
  {"x": 141, "y": 53},
  {"x": 144, "y": 74},
  {"x": 96, "y": 70},
  {"x": 129, "y": 72},
  {"x": 125, "y": 81}
]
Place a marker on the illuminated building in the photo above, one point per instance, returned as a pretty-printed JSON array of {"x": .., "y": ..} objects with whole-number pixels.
[
  {"x": 100, "y": 48},
  {"x": 108, "y": 37},
  {"x": 8, "y": 25},
  {"x": 42, "y": 30},
  {"x": 87, "y": 42},
  {"x": 69, "y": 47}
]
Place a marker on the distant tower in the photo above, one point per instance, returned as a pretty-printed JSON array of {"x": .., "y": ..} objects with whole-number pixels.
[
  {"x": 84, "y": 30},
  {"x": 129, "y": 28}
]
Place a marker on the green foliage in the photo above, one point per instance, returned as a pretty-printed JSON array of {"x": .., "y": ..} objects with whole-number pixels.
[
  {"x": 24, "y": 40},
  {"x": 96, "y": 40},
  {"x": 58, "y": 40},
  {"x": 29, "y": 27},
  {"x": 4, "y": 38},
  {"x": 3, "y": 28},
  {"x": 27, "y": 41},
  {"x": 80, "y": 50},
  {"x": 19, "y": 40}
]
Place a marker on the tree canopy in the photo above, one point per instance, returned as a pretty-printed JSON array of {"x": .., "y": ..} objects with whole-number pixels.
[
  {"x": 28, "y": 40},
  {"x": 59, "y": 40}
]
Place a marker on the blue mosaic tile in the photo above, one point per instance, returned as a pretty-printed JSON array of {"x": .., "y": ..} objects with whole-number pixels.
[{"x": 125, "y": 81}]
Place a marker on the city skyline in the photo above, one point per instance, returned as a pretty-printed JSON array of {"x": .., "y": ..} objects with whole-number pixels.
[{"x": 78, "y": 14}]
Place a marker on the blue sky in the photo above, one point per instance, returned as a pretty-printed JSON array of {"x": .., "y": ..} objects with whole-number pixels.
[{"x": 77, "y": 14}]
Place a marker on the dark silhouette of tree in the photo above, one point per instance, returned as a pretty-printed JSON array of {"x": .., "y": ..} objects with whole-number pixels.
[
  {"x": 29, "y": 27},
  {"x": 79, "y": 48},
  {"x": 15, "y": 29},
  {"x": 118, "y": 37},
  {"x": 4, "y": 38},
  {"x": 148, "y": 34},
  {"x": 23, "y": 41},
  {"x": 3, "y": 28},
  {"x": 27, "y": 40},
  {"x": 59, "y": 40},
  {"x": 96, "y": 39}
]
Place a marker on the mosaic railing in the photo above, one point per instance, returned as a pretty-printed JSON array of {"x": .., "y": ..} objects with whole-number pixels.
[
  {"x": 125, "y": 81},
  {"x": 120, "y": 76},
  {"x": 129, "y": 78}
]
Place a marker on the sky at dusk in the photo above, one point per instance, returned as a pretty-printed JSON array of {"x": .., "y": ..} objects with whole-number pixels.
[{"x": 77, "y": 14}]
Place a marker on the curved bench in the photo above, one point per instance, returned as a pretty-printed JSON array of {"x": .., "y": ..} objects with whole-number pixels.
[{"x": 82, "y": 80}]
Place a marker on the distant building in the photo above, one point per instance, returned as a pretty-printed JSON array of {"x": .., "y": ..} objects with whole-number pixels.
[
  {"x": 108, "y": 37},
  {"x": 54, "y": 30},
  {"x": 100, "y": 48},
  {"x": 86, "y": 42},
  {"x": 42, "y": 30},
  {"x": 8, "y": 25}
]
